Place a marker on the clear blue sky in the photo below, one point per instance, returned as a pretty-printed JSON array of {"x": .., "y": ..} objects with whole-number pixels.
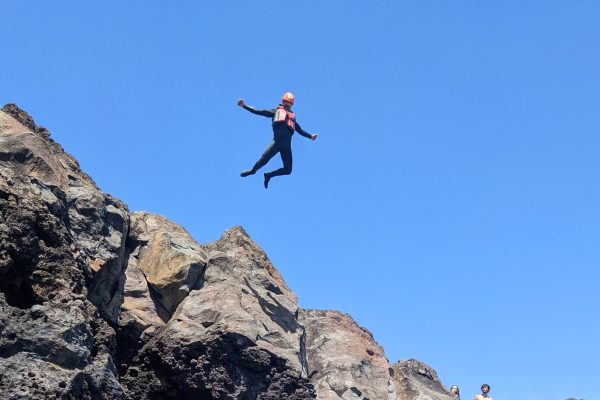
[{"x": 450, "y": 204}]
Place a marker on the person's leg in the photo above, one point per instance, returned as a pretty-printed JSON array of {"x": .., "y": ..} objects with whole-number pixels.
[
  {"x": 286, "y": 156},
  {"x": 269, "y": 152}
]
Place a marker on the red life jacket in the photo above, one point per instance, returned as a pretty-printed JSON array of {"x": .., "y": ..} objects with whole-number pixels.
[{"x": 285, "y": 116}]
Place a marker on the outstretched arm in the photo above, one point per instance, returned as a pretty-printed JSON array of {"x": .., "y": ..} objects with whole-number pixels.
[
  {"x": 264, "y": 113},
  {"x": 304, "y": 133}
]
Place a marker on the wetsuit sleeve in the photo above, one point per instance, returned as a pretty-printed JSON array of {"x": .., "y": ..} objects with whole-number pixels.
[
  {"x": 302, "y": 131},
  {"x": 264, "y": 113}
]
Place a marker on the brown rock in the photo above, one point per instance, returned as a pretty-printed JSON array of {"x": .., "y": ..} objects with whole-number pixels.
[
  {"x": 415, "y": 380},
  {"x": 344, "y": 361},
  {"x": 171, "y": 261},
  {"x": 239, "y": 329},
  {"x": 191, "y": 320}
]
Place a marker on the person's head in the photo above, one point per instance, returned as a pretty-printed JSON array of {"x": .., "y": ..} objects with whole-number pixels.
[
  {"x": 485, "y": 388},
  {"x": 454, "y": 390},
  {"x": 287, "y": 100}
]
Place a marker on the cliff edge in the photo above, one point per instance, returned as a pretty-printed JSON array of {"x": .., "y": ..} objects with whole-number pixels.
[{"x": 97, "y": 302}]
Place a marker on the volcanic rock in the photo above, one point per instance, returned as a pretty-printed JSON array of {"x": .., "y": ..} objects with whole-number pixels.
[
  {"x": 241, "y": 335},
  {"x": 100, "y": 303},
  {"x": 344, "y": 360},
  {"x": 415, "y": 380}
]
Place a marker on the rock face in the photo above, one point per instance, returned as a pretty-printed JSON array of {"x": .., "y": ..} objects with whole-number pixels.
[
  {"x": 345, "y": 361},
  {"x": 415, "y": 380},
  {"x": 100, "y": 303},
  {"x": 241, "y": 335},
  {"x": 53, "y": 342}
]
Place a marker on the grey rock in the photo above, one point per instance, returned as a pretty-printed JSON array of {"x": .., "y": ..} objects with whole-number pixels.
[
  {"x": 53, "y": 342},
  {"x": 416, "y": 380},
  {"x": 25, "y": 376},
  {"x": 62, "y": 337},
  {"x": 97, "y": 223},
  {"x": 236, "y": 336},
  {"x": 161, "y": 260},
  {"x": 98, "y": 303},
  {"x": 344, "y": 361}
]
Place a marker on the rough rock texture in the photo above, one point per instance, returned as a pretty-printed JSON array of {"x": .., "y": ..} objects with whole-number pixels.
[
  {"x": 169, "y": 258},
  {"x": 415, "y": 380},
  {"x": 163, "y": 265},
  {"x": 240, "y": 329},
  {"x": 96, "y": 222},
  {"x": 345, "y": 362},
  {"x": 52, "y": 341},
  {"x": 100, "y": 303}
]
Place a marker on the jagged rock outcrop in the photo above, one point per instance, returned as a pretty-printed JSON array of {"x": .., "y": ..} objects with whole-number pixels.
[
  {"x": 415, "y": 380},
  {"x": 53, "y": 343},
  {"x": 96, "y": 222},
  {"x": 242, "y": 338},
  {"x": 100, "y": 303},
  {"x": 345, "y": 362}
]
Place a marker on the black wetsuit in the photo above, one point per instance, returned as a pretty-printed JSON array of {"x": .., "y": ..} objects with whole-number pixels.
[{"x": 282, "y": 144}]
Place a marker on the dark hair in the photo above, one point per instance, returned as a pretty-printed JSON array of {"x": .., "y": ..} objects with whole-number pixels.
[
  {"x": 485, "y": 385},
  {"x": 457, "y": 389}
]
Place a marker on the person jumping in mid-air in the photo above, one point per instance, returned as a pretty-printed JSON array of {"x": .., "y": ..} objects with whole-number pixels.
[{"x": 284, "y": 125}]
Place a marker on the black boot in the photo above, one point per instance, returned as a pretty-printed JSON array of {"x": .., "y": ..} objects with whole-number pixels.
[
  {"x": 247, "y": 172},
  {"x": 267, "y": 178}
]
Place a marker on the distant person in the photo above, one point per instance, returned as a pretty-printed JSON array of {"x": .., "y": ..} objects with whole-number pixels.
[
  {"x": 455, "y": 392},
  {"x": 284, "y": 124},
  {"x": 485, "y": 389}
]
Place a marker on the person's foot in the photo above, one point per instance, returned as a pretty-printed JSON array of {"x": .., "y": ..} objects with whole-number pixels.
[
  {"x": 267, "y": 178},
  {"x": 245, "y": 173}
]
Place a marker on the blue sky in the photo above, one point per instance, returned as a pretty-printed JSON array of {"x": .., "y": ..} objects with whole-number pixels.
[{"x": 450, "y": 204}]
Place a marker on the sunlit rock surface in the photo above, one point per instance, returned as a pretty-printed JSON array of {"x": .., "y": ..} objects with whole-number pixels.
[
  {"x": 345, "y": 362},
  {"x": 415, "y": 380},
  {"x": 100, "y": 303}
]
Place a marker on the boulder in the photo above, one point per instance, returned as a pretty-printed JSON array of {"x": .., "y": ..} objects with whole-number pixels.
[
  {"x": 416, "y": 380},
  {"x": 171, "y": 261}
]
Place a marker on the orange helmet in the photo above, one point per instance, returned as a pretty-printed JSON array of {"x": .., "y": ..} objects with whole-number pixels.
[{"x": 287, "y": 96}]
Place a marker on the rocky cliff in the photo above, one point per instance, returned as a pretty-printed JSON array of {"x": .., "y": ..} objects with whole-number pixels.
[{"x": 97, "y": 302}]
